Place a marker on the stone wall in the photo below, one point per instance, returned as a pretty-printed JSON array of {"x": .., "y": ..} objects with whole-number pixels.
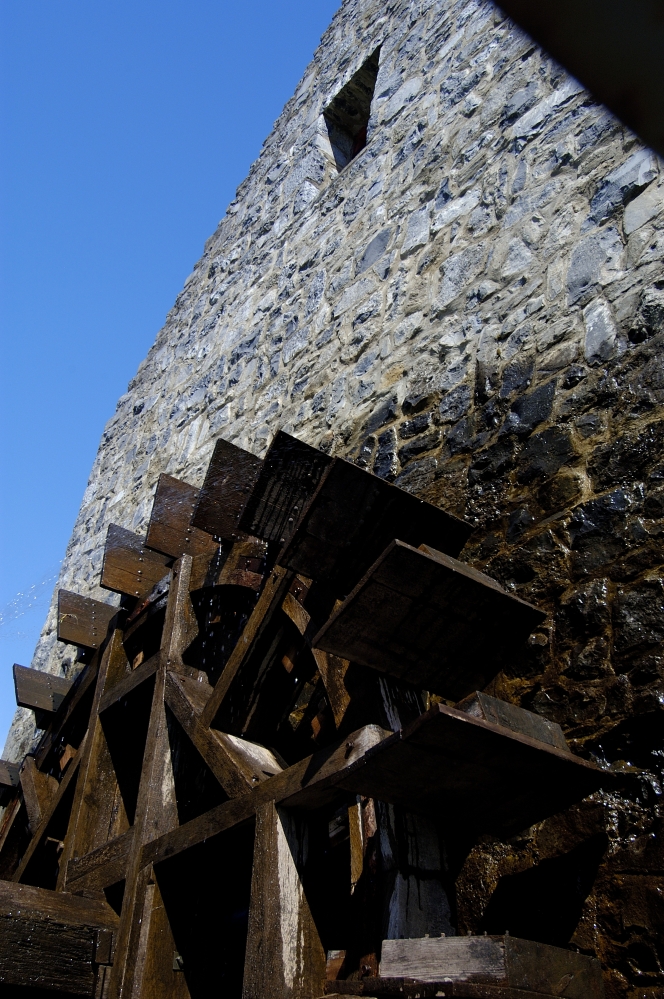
[{"x": 473, "y": 308}]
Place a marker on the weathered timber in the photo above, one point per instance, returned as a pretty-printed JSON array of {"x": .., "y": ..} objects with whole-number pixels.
[
  {"x": 510, "y": 961},
  {"x": 216, "y": 749},
  {"x": 71, "y": 709},
  {"x": 408, "y": 988},
  {"x": 308, "y": 784},
  {"x": 351, "y": 519},
  {"x": 129, "y": 566},
  {"x": 47, "y": 938},
  {"x": 9, "y": 774},
  {"x": 472, "y": 774},
  {"x": 102, "y": 867},
  {"x": 170, "y": 530},
  {"x": 97, "y": 812},
  {"x": 229, "y": 479},
  {"x": 431, "y": 620},
  {"x": 128, "y": 683},
  {"x": 83, "y": 621},
  {"x": 498, "y": 712},
  {"x": 243, "y": 565},
  {"x": 38, "y": 690},
  {"x": 285, "y": 958},
  {"x": 288, "y": 478},
  {"x": 269, "y": 601},
  {"x": 38, "y": 789}
]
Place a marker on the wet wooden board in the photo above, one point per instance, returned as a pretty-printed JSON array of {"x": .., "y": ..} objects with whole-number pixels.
[
  {"x": 492, "y": 709},
  {"x": 430, "y": 620},
  {"x": 170, "y": 530},
  {"x": 129, "y": 567},
  {"x": 472, "y": 774},
  {"x": 288, "y": 479},
  {"x": 503, "y": 967},
  {"x": 83, "y": 621},
  {"x": 9, "y": 774},
  {"x": 48, "y": 938},
  {"x": 351, "y": 519},
  {"x": 38, "y": 690},
  {"x": 506, "y": 960},
  {"x": 229, "y": 479}
]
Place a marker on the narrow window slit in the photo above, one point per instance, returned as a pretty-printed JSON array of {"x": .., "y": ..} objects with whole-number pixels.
[{"x": 347, "y": 115}]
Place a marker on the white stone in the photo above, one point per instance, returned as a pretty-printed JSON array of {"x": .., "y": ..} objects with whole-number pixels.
[
  {"x": 600, "y": 331},
  {"x": 643, "y": 209}
]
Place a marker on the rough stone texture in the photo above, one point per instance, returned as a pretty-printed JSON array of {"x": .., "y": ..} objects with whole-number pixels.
[{"x": 474, "y": 309}]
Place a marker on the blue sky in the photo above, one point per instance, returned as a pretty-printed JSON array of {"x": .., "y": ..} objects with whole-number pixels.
[{"x": 125, "y": 128}]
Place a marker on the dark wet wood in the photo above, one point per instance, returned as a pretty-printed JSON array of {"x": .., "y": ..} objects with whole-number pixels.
[
  {"x": 129, "y": 566},
  {"x": 229, "y": 480},
  {"x": 351, "y": 519},
  {"x": 498, "y": 712},
  {"x": 39, "y": 690},
  {"x": 430, "y": 620},
  {"x": 102, "y": 867},
  {"x": 82, "y": 620},
  {"x": 170, "y": 530},
  {"x": 474, "y": 775},
  {"x": 9, "y": 774},
  {"x": 288, "y": 479},
  {"x": 47, "y": 938}
]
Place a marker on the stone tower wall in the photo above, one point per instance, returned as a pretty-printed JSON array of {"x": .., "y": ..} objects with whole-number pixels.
[{"x": 473, "y": 308}]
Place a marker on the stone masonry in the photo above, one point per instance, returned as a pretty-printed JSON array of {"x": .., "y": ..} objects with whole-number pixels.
[{"x": 474, "y": 309}]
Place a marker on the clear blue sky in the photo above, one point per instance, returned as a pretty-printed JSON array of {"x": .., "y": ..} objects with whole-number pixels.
[{"x": 126, "y": 126}]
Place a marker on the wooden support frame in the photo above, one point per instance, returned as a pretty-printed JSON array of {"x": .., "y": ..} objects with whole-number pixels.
[{"x": 297, "y": 761}]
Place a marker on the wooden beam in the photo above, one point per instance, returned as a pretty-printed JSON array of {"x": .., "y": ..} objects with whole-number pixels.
[
  {"x": 39, "y": 690},
  {"x": 353, "y": 516},
  {"x": 129, "y": 565},
  {"x": 9, "y": 774},
  {"x": 170, "y": 530},
  {"x": 83, "y": 621},
  {"x": 63, "y": 720},
  {"x": 38, "y": 790},
  {"x": 498, "y": 712},
  {"x": 222, "y": 759},
  {"x": 288, "y": 478},
  {"x": 102, "y": 867},
  {"x": 430, "y": 620},
  {"x": 269, "y": 601},
  {"x": 474, "y": 775},
  {"x": 47, "y": 938},
  {"x": 229, "y": 479},
  {"x": 308, "y": 784},
  {"x": 285, "y": 958},
  {"x": 495, "y": 960}
]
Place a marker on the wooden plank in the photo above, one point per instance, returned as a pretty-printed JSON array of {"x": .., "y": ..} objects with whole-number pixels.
[
  {"x": 515, "y": 963},
  {"x": 38, "y": 789},
  {"x": 498, "y": 712},
  {"x": 269, "y": 601},
  {"x": 71, "y": 774},
  {"x": 288, "y": 478},
  {"x": 39, "y": 690},
  {"x": 430, "y": 620},
  {"x": 308, "y": 784},
  {"x": 128, "y": 683},
  {"x": 224, "y": 764},
  {"x": 47, "y": 938},
  {"x": 408, "y": 988},
  {"x": 432, "y": 959},
  {"x": 351, "y": 519},
  {"x": 243, "y": 565},
  {"x": 284, "y": 957},
  {"x": 170, "y": 530},
  {"x": 229, "y": 479},
  {"x": 129, "y": 566},
  {"x": 476, "y": 776},
  {"x": 9, "y": 773},
  {"x": 102, "y": 867},
  {"x": 63, "y": 720},
  {"x": 83, "y": 621}
]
